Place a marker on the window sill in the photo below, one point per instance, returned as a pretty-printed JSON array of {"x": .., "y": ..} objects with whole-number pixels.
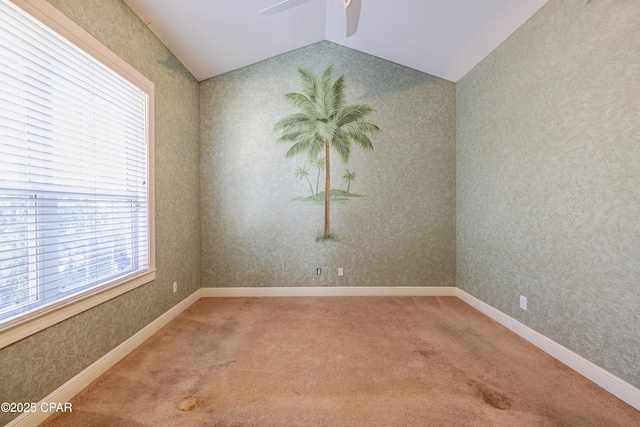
[{"x": 32, "y": 324}]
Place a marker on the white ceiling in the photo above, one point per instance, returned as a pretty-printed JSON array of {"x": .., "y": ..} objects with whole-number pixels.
[{"x": 444, "y": 38}]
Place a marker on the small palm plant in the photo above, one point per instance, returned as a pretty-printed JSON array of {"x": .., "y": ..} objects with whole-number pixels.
[
  {"x": 324, "y": 122},
  {"x": 301, "y": 173},
  {"x": 349, "y": 176}
]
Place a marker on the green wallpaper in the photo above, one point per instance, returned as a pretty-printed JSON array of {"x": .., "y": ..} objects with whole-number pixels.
[
  {"x": 37, "y": 365},
  {"x": 400, "y": 233},
  {"x": 532, "y": 160},
  {"x": 548, "y": 179}
]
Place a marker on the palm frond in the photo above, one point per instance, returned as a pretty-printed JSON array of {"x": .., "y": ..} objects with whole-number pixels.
[
  {"x": 326, "y": 74},
  {"x": 307, "y": 79},
  {"x": 342, "y": 146},
  {"x": 359, "y": 126},
  {"x": 353, "y": 113},
  {"x": 291, "y": 120},
  {"x": 337, "y": 99},
  {"x": 313, "y": 88},
  {"x": 302, "y": 102},
  {"x": 365, "y": 127},
  {"x": 291, "y": 137},
  {"x": 316, "y": 148},
  {"x": 326, "y": 92},
  {"x": 353, "y": 132},
  {"x": 302, "y": 144},
  {"x": 300, "y": 126}
]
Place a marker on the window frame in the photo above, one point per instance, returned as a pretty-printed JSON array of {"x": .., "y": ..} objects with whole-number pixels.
[{"x": 66, "y": 308}]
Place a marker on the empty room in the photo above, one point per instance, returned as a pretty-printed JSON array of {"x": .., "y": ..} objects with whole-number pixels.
[{"x": 320, "y": 212}]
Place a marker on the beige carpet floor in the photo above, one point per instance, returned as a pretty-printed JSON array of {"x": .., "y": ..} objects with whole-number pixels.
[{"x": 341, "y": 361}]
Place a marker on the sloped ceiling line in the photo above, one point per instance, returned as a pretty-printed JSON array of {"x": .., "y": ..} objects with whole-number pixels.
[{"x": 444, "y": 38}]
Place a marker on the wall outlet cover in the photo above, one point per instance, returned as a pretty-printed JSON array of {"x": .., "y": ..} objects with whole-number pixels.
[{"x": 523, "y": 302}]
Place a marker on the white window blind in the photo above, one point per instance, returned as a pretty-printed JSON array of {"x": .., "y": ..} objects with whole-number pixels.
[{"x": 74, "y": 201}]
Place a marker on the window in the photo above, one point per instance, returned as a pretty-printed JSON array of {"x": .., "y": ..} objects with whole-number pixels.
[{"x": 75, "y": 179}]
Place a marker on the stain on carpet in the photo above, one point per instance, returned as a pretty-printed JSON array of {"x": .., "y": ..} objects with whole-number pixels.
[
  {"x": 225, "y": 364},
  {"x": 188, "y": 403},
  {"x": 491, "y": 397},
  {"x": 426, "y": 353}
]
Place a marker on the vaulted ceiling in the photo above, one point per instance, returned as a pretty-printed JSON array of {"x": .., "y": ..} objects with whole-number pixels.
[{"x": 444, "y": 38}]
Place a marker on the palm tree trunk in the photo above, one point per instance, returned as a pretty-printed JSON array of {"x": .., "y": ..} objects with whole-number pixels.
[
  {"x": 310, "y": 186},
  {"x": 327, "y": 189}
]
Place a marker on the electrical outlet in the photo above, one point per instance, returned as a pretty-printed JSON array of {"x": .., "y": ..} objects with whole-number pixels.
[
  {"x": 175, "y": 286},
  {"x": 340, "y": 271},
  {"x": 318, "y": 271},
  {"x": 523, "y": 302}
]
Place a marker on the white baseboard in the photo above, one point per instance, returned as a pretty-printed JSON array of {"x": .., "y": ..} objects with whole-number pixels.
[
  {"x": 614, "y": 385},
  {"x": 331, "y": 291},
  {"x": 76, "y": 384}
]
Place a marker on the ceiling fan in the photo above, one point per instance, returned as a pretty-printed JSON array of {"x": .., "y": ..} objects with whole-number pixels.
[{"x": 351, "y": 7}]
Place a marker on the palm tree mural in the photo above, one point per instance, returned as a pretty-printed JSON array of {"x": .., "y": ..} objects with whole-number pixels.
[
  {"x": 349, "y": 176},
  {"x": 324, "y": 122},
  {"x": 301, "y": 173}
]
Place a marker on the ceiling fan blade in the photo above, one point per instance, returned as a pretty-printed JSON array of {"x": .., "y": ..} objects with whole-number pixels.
[
  {"x": 352, "y": 8},
  {"x": 279, "y": 7}
]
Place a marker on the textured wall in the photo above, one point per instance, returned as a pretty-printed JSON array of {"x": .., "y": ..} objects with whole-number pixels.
[
  {"x": 548, "y": 179},
  {"x": 401, "y": 233},
  {"x": 37, "y": 365}
]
